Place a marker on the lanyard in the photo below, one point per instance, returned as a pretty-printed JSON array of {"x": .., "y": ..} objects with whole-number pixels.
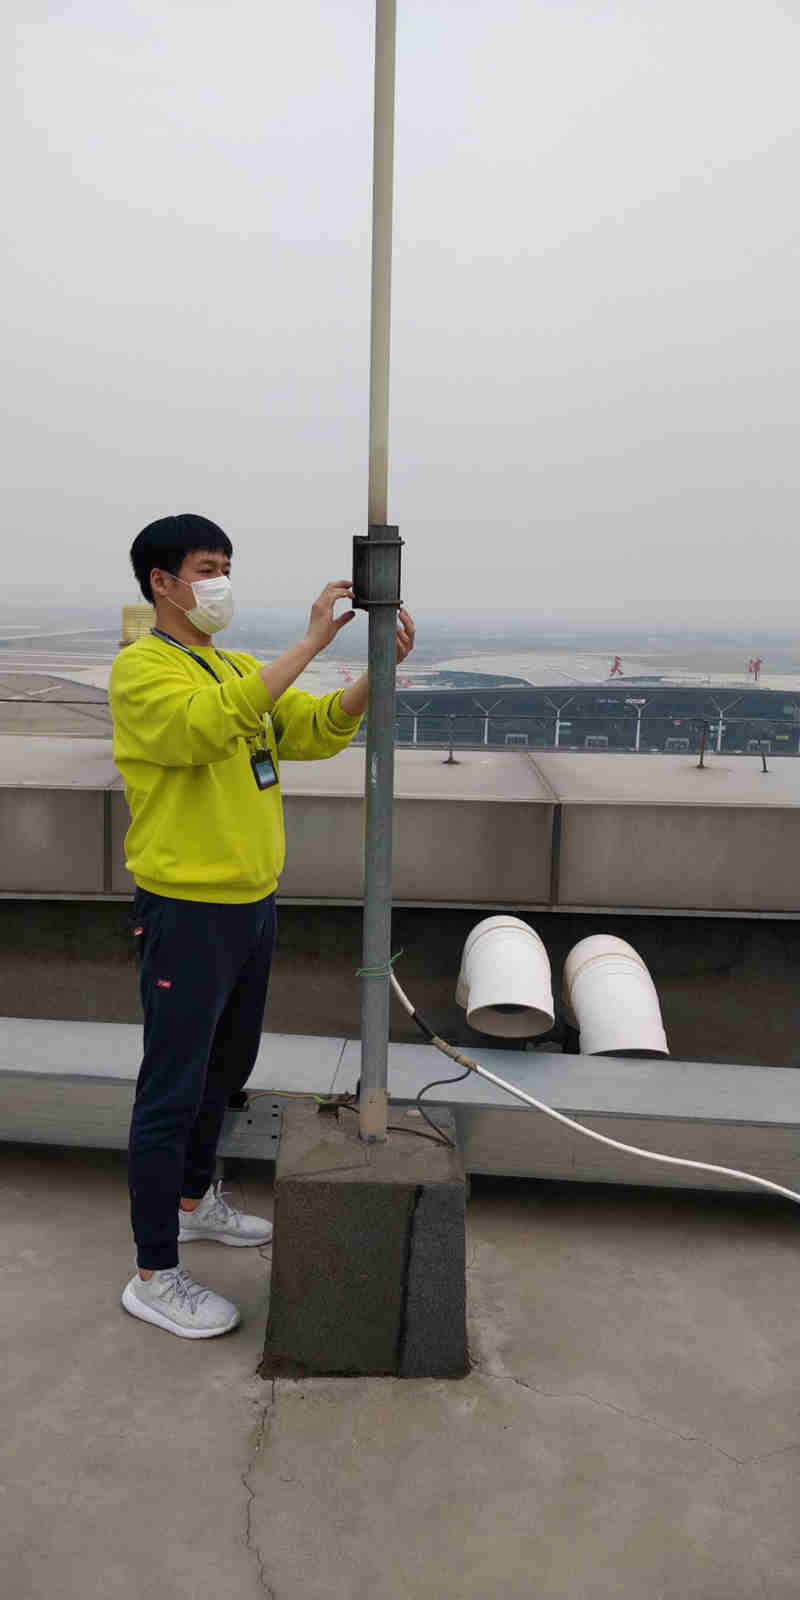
[
  {"x": 168, "y": 639},
  {"x": 261, "y": 761}
]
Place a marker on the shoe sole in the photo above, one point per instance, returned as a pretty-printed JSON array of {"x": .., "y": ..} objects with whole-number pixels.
[
  {"x": 187, "y": 1237},
  {"x": 138, "y": 1308}
]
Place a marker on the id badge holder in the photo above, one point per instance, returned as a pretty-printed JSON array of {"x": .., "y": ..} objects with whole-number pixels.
[{"x": 263, "y": 769}]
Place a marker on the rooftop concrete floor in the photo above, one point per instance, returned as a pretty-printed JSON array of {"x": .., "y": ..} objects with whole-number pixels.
[{"x": 631, "y": 1425}]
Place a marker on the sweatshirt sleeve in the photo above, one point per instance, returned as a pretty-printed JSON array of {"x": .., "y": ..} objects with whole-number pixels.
[
  {"x": 161, "y": 715},
  {"x": 309, "y": 728}
]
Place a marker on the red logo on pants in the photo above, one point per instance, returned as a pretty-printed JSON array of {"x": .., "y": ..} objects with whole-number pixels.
[{"x": 164, "y": 983}]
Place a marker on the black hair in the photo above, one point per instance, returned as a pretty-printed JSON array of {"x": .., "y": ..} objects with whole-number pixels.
[{"x": 165, "y": 544}]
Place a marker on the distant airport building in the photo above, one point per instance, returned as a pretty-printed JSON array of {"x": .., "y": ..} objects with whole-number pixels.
[
  {"x": 136, "y": 621},
  {"x": 729, "y": 720}
]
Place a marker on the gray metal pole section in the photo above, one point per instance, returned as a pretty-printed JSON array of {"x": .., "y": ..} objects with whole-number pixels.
[{"x": 379, "y": 788}]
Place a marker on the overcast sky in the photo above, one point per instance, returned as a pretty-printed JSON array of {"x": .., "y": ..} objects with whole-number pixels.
[{"x": 595, "y": 359}]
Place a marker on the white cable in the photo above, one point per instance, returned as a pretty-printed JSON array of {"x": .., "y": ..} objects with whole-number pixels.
[{"x": 616, "y": 1144}]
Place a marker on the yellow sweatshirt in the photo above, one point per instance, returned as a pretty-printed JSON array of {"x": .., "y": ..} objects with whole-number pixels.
[{"x": 201, "y": 829}]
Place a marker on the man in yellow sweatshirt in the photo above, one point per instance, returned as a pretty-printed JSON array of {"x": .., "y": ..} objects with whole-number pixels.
[{"x": 199, "y": 734}]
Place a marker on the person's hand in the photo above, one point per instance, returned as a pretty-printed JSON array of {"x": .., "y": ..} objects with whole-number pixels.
[
  {"x": 322, "y": 625},
  {"x": 406, "y": 633}
]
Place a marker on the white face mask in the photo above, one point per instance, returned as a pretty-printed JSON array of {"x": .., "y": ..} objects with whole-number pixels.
[{"x": 214, "y": 607}]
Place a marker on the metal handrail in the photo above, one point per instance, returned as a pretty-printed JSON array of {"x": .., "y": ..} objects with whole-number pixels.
[{"x": 464, "y": 730}]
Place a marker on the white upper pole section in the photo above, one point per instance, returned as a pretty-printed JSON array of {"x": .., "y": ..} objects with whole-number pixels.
[{"x": 382, "y": 205}]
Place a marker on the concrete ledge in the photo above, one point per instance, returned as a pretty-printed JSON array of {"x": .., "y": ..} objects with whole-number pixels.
[
  {"x": 743, "y": 1117},
  {"x": 628, "y": 833},
  {"x": 368, "y": 1271}
]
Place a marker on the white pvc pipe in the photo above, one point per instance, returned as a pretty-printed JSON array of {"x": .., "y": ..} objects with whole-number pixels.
[
  {"x": 504, "y": 983},
  {"x": 610, "y": 996}
]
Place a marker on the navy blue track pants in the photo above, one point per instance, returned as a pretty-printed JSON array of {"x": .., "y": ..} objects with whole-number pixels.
[{"x": 204, "y": 979}]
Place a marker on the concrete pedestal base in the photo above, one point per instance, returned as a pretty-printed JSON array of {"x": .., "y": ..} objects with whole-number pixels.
[{"x": 368, "y": 1270}]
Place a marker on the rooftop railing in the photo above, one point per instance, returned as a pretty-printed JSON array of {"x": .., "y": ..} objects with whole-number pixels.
[
  {"x": 640, "y": 735},
  {"x": 87, "y": 715}
]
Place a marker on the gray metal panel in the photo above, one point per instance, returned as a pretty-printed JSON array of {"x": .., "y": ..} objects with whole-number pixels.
[
  {"x": 121, "y": 878},
  {"x": 38, "y": 1108},
  {"x": 448, "y": 850},
  {"x": 106, "y": 1050},
  {"x": 252, "y": 1134},
  {"x": 317, "y": 1064},
  {"x": 445, "y": 851},
  {"x": 742, "y": 1117},
  {"x": 595, "y": 778},
  {"x": 700, "y": 858},
  {"x": 424, "y": 773},
  {"x": 534, "y": 1146},
  {"x": 95, "y": 1113},
  {"x": 90, "y": 1049},
  {"x": 296, "y": 1063},
  {"x": 324, "y": 846},
  {"x": 596, "y": 1085},
  {"x": 55, "y": 763},
  {"x": 478, "y": 834},
  {"x": 51, "y": 839}
]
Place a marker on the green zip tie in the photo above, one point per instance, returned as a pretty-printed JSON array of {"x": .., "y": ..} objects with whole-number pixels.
[{"x": 379, "y": 972}]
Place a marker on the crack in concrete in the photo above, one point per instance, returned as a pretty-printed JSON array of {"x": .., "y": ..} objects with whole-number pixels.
[
  {"x": 325, "y": 1172},
  {"x": 262, "y": 1247},
  {"x": 402, "y": 1331},
  {"x": 634, "y": 1416},
  {"x": 338, "y": 1064},
  {"x": 261, "y": 1433},
  {"x": 784, "y": 1450}
]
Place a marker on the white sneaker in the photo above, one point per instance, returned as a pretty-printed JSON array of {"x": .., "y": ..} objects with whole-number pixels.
[
  {"x": 173, "y": 1300},
  {"x": 213, "y": 1218}
]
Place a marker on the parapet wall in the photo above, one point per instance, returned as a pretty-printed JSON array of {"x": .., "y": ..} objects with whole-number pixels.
[{"x": 493, "y": 830}]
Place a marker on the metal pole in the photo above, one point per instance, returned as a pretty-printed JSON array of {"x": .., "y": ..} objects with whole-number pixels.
[
  {"x": 382, "y": 198},
  {"x": 417, "y": 715},
  {"x": 451, "y": 760},
  {"x": 487, "y": 711},
  {"x": 379, "y": 790}
]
